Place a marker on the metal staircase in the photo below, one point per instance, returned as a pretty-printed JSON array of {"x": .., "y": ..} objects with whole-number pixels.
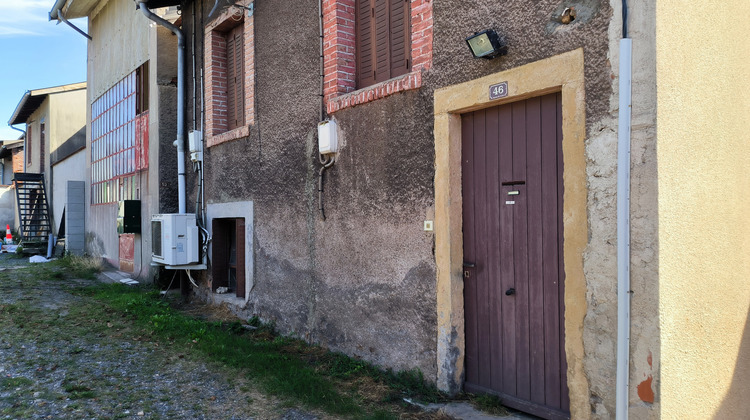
[{"x": 33, "y": 210}]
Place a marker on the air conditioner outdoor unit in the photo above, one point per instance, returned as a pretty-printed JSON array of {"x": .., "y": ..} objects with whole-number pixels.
[{"x": 174, "y": 239}]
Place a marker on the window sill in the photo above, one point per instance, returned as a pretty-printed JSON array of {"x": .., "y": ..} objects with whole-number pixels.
[
  {"x": 403, "y": 83},
  {"x": 226, "y": 136}
]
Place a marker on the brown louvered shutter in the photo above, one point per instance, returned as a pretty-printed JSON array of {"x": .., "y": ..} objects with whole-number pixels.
[
  {"x": 400, "y": 38},
  {"x": 235, "y": 78},
  {"x": 383, "y": 40},
  {"x": 365, "y": 43}
]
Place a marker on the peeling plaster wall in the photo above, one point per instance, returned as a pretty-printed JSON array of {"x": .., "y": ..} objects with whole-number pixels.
[
  {"x": 600, "y": 258},
  {"x": 704, "y": 229}
]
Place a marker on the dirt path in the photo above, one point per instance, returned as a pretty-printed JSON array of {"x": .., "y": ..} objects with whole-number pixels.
[{"x": 56, "y": 362}]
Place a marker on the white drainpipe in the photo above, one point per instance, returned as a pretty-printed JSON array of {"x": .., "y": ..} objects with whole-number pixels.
[{"x": 623, "y": 231}]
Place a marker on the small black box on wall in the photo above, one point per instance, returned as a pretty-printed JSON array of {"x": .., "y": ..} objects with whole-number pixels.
[{"x": 129, "y": 216}]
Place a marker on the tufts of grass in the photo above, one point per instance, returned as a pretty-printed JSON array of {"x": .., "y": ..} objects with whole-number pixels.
[
  {"x": 78, "y": 391},
  {"x": 278, "y": 373},
  {"x": 84, "y": 267},
  {"x": 489, "y": 404},
  {"x": 10, "y": 383},
  {"x": 282, "y": 366}
]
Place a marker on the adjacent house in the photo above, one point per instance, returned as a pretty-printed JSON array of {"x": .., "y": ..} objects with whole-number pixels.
[
  {"x": 55, "y": 122},
  {"x": 562, "y": 223},
  {"x": 11, "y": 161}
]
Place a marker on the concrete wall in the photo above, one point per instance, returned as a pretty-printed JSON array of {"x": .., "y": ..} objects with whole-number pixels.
[
  {"x": 67, "y": 114},
  {"x": 704, "y": 229},
  {"x": 70, "y": 169},
  {"x": 7, "y": 169},
  {"x": 7, "y": 208}
]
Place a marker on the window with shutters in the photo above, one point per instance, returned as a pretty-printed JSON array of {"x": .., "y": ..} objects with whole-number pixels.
[
  {"x": 383, "y": 40},
  {"x": 230, "y": 71},
  {"x": 374, "y": 48}
]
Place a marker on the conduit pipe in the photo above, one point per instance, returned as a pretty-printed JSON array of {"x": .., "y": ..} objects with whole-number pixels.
[
  {"x": 180, "y": 141},
  {"x": 326, "y": 163},
  {"x": 622, "y": 391}
]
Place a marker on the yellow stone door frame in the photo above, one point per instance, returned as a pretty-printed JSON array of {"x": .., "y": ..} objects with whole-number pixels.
[{"x": 562, "y": 73}]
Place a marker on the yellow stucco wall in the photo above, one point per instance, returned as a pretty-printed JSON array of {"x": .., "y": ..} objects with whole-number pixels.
[
  {"x": 703, "y": 149},
  {"x": 67, "y": 114}
]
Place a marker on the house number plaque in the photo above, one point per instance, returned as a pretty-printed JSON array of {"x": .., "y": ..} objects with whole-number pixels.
[{"x": 499, "y": 90}]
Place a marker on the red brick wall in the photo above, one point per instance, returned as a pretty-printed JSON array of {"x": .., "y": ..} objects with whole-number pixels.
[
  {"x": 215, "y": 58},
  {"x": 340, "y": 59},
  {"x": 18, "y": 157}
]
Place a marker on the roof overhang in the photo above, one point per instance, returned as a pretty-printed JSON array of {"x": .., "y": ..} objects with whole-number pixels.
[
  {"x": 33, "y": 99},
  {"x": 73, "y": 9},
  {"x": 7, "y": 146}
]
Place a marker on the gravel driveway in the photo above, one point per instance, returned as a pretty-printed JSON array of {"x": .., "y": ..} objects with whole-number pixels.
[{"x": 57, "y": 363}]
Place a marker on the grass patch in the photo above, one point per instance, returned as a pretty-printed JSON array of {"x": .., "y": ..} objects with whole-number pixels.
[
  {"x": 489, "y": 404},
  {"x": 84, "y": 267},
  {"x": 7, "y": 384},
  {"x": 281, "y": 366},
  {"x": 78, "y": 391}
]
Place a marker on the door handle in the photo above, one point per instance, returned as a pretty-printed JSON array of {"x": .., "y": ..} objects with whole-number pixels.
[
  {"x": 510, "y": 291},
  {"x": 469, "y": 264}
]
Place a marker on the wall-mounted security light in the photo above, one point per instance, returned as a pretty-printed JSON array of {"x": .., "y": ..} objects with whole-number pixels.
[{"x": 486, "y": 44}]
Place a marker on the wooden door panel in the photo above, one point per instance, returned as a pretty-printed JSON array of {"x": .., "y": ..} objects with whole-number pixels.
[
  {"x": 512, "y": 203},
  {"x": 467, "y": 163}
]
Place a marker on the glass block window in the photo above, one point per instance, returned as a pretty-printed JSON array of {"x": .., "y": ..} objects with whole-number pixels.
[{"x": 119, "y": 139}]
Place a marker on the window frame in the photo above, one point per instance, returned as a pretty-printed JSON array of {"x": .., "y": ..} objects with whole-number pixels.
[
  {"x": 396, "y": 60},
  {"x": 219, "y": 125}
]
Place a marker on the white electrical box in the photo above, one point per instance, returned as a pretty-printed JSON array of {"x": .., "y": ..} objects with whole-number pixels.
[
  {"x": 195, "y": 145},
  {"x": 174, "y": 239},
  {"x": 328, "y": 139}
]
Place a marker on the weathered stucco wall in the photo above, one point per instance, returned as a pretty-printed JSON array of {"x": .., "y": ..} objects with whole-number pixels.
[
  {"x": 600, "y": 258},
  {"x": 363, "y": 281},
  {"x": 704, "y": 229},
  {"x": 67, "y": 114}
]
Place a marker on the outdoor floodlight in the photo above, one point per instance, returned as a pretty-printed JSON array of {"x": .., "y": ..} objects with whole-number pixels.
[{"x": 486, "y": 44}]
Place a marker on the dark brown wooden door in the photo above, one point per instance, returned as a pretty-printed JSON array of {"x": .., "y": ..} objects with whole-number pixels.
[{"x": 513, "y": 266}]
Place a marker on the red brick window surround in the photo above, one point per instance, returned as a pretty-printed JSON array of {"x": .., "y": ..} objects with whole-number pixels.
[
  {"x": 340, "y": 56},
  {"x": 229, "y": 57}
]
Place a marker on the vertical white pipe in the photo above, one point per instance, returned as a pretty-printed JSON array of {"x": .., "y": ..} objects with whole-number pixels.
[{"x": 623, "y": 231}]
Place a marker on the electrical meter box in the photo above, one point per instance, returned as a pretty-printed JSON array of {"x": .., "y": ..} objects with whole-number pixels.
[
  {"x": 328, "y": 140},
  {"x": 129, "y": 216},
  {"x": 195, "y": 145},
  {"x": 174, "y": 239}
]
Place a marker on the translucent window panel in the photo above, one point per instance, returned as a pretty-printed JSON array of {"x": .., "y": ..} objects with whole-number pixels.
[{"x": 113, "y": 142}]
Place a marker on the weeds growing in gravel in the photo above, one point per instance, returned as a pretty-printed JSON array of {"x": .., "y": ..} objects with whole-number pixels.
[{"x": 282, "y": 366}]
